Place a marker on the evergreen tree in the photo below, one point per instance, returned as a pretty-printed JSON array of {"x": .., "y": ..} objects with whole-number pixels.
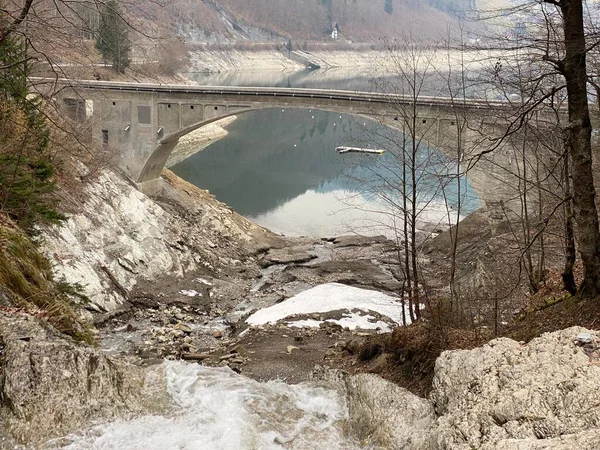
[
  {"x": 26, "y": 170},
  {"x": 389, "y": 6},
  {"x": 112, "y": 40}
]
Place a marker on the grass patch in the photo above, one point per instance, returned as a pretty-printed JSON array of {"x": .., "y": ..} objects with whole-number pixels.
[{"x": 27, "y": 276}]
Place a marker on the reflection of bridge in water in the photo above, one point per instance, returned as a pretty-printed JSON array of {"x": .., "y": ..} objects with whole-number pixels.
[{"x": 145, "y": 121}]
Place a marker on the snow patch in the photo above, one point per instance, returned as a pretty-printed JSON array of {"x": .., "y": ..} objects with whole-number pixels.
[
  {"x": 189, "y": 293},
  {"x": 351, "y": 321},
  {"x": 332, "y": 297}
]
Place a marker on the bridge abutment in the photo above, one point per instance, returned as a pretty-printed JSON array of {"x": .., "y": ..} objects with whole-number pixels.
[{"x": 150, "y": 187}]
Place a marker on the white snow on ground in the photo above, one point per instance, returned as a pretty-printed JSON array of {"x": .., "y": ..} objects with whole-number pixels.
[
  {"x": 189, "y": 293},
  {"x": 203, "y": 281},
  {"x": 351, "y": 320},
  {"x": 332, "y": 297}
]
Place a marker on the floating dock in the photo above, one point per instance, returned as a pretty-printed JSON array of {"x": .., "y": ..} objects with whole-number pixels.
[{"x": 358, "y": 150}]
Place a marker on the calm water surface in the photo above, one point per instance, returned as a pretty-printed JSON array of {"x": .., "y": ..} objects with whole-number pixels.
[{"x": 280, "y": 168}]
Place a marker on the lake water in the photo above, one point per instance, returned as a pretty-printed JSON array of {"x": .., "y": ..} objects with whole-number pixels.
[{"x": 280, "y": 169}]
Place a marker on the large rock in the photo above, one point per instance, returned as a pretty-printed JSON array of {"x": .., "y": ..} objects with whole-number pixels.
[
  {"x": 384, "y": 415},
  {"x": 381, "y": 414},
  {"x": 586, "y": 440},
  {"x": 545, "y": 394},
  {"x": 50, "y": 386},
  {"x": 119, "y": 237},
  {"x": 502, "y": 396}
]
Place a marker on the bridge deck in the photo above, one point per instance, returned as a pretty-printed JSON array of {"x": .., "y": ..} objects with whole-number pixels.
[{"x": 326, "y": 94}]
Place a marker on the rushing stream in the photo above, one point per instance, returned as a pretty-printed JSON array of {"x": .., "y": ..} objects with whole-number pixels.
[{"x": 217, "y": 409}]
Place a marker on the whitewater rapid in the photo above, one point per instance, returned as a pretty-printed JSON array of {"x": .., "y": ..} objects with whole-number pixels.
[{"x": 217, "y": 409}]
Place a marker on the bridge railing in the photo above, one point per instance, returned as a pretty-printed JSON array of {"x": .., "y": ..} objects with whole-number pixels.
[{"x": 325, "y": 94}]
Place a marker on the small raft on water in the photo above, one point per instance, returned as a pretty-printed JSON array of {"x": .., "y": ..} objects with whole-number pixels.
[{"x": 358, "y": 150}]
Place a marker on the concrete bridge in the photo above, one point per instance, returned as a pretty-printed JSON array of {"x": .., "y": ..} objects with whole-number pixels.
[{"x": 145, "y": 121}]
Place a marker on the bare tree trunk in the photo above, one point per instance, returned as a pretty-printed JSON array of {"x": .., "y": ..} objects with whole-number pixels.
[
  {"x": 525, "y": 222},
  {"x": 414, "y": 213},
  {"x": 407, "y": 270},
  {"x": 579, "y": 145},
  {"x": 541, "y": 258},
  {"x": 570, "y": 255}
]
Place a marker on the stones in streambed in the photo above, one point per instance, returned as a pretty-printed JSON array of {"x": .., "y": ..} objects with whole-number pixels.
[
  {"x": 355, "y": 240},
  {"x": 167, "y": 331},
  {"x": 195, "y": 356},
  {"x": 287, "y": 255}
]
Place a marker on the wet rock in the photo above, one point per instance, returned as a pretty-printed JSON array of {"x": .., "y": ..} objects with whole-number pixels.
[
  {"x": 331, "y": 327},
  {"x": 585, "y": 338},
  {"x": 51, "y": 386},
  {"x": 382, "y": 414},
  {"x": 286, "y": 256},
  {"x": 385, "y": 415},
  {"x": 148, "y": 353},
  {"x": 184, "y": 328},
  {"x": 355, "y": 240},
  {"x": 195, "y": 356},
  {"x": 240, "y": 350}
]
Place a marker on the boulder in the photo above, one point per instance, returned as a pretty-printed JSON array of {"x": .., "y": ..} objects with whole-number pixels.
[
  {"x": 384, "y": 415},
  {"x": 545, "y": 394},
  {"x": 381, "y": 414},
  {"x": 51, "y": 385}
]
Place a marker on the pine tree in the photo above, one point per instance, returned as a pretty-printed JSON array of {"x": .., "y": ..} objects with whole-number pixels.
[
  {"x": 26, "y": 170},
  {"x": 389, "y": 6},
  {"x": 112, "y": 40}
]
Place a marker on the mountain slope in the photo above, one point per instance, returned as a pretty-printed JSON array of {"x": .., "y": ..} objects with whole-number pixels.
[{"x": 358, "y": 20}]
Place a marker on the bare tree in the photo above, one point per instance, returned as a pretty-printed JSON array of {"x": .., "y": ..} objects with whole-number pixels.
[{"x": 562, "y": 41}]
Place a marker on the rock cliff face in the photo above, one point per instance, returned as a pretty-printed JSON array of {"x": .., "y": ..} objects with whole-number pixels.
[
  {"x": 386, "y": 415},
  {"x": 50, "y": 386},
  {"x": 511, "y": 395},
  {"x": 120, "y": 237},
  {"x": 504, "y": 395}
]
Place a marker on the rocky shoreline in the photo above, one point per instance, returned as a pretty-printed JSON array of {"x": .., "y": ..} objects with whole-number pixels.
[{"x": 198, "y": 140}]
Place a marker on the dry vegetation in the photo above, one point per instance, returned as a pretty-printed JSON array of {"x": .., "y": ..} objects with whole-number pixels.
[
  {"x": 359, "y": 20},
  {"x": 26, "y": 281}
]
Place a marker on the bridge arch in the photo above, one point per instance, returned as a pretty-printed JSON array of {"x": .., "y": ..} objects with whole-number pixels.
[{"x": 165, "y": 146}]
